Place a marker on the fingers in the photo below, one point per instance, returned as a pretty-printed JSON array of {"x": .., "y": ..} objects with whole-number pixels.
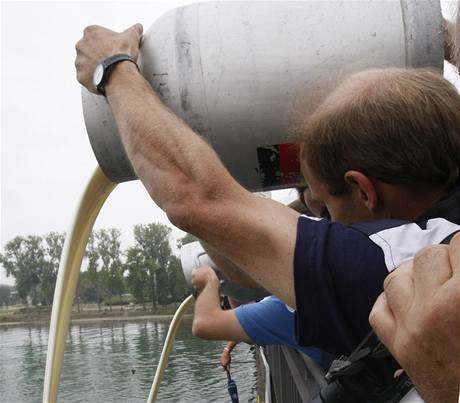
[
  {"x": 383, "y": 321},
  {"x": 99, "y": 43},
  {"x": 136, "y": 33},
  {"x": 454, "y": 255},
  {"x": 393, "y": 304},
  {"x": 89, "y": 29},
  {"x": 202, "y": 271},
  {"x": 136, "y": 30},
  {"x": 431, "y": 269},
  {"x": 201, "y": 276},
  {"x": 196, "y": 277},
  {"x": 399, "y": 289}
]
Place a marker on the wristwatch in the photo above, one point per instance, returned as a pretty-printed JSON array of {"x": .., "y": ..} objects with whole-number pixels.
[{"x": 102, "y": 71}]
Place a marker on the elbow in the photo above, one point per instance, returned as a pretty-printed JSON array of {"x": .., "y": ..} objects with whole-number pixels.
[
  {"x": 180, "y": 215},
  {"x": 205, "y": 328},
  {"x": 192, "y": 208},
  {"x": 188, "y": 214},
  {"x": 182, "y": 208},
  {"x": 200, "y": 328}
]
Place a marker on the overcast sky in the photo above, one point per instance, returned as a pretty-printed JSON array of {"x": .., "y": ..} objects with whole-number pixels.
[{"x": 46, "y": 158}]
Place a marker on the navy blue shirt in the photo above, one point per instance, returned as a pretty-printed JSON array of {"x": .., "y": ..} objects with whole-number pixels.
[{"x": 339, "y": 270}]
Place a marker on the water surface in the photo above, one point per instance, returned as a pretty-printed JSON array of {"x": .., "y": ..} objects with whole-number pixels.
[{"x": 116, "y": 362}]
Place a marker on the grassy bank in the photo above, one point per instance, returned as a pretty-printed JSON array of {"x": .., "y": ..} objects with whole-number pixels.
[{"x": 90, "y": 312}]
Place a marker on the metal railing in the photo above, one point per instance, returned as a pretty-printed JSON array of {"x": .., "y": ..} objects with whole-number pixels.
[{"x": 295, "y": 377}]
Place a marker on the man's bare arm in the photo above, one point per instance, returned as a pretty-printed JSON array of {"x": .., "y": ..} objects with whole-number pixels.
[
  {"x": 226, "y": 356},
  {"x": 210, "y": 321},
  {"x": 184, "y": 176},
  {"x": 231, "y": 271}
]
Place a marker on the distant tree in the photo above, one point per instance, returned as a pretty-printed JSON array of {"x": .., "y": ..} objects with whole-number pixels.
[
  {"x": 34, "y": 261},
  {"x": 152, "y": 242},
  {"x": 87, "y": 291},
  {"x": 53, "y": 244},
  {"x": 93, "y": 276},
  {"x": 177, "y": 283},
  {"x": 187, "y": 238},
  {"x": 24, "y": 259},
  {"x": 5, "y": 295},
  {"x": 164, "y": 295},
  {"x": 137, "y": 274},
  {"x": 109, "y": 249}
]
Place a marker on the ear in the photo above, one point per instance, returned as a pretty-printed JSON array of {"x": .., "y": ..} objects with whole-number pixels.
[{"x": 364, "y": 189}]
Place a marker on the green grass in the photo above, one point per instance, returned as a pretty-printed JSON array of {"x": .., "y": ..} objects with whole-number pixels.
[{"x": 6, "y": 317}]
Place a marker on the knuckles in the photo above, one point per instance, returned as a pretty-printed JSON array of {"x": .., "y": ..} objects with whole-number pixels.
[
  {"x": 443, "y": 309},
  {"x": 196, "y": 278},
  {"x": 374, "y": 318},
  {"x": 97, "y": 44},
  {"x": 387, "y": 283},
  {"x": 430, "y": 256},
  {"x": 90, "y": 29},
  {"x": 201, "y": 276}
]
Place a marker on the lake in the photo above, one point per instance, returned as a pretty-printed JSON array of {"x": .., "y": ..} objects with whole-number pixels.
[{"x": 116, "y": 362}]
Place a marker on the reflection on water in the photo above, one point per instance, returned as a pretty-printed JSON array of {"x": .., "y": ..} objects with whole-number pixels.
[{"x": 116, "y": 362}]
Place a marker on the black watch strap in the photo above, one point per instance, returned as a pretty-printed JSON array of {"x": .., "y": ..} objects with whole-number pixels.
[{"x": 108, "y": 67}]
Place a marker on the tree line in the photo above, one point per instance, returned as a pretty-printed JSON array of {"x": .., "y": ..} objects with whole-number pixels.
[{"x": 147, "y": 271}]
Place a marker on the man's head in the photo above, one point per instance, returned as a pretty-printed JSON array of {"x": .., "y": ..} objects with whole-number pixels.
[{"x": 380, "y": 136}]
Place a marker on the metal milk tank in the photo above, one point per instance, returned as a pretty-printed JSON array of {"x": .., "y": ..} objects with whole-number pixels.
[{"x": 239, "y": 72}]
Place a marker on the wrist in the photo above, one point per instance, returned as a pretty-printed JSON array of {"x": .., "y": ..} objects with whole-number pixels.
[
  {"x": 121, "y": 73},
  {"x": 212, "y": 279},
  {"x": 227, "y": 349},
  {"x": 211, "y": 283}
]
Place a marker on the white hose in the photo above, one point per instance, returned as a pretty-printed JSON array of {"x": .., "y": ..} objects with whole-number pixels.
[{"x": 167, "y": 347}]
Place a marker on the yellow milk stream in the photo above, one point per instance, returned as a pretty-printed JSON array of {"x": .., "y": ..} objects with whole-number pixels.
[{"x": 96, "y": 192}]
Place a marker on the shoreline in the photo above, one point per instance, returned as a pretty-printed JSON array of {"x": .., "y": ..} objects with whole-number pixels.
[
  {"x": 21, "y": 316},
  {"x": 77, "y": 321}
]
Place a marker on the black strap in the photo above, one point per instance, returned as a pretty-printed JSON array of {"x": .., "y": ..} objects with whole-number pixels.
[
  {"x": 367, "y": 375},
  {"x": 108, "y": 66}
]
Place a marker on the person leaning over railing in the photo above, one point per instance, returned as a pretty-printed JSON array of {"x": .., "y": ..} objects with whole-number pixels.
[
  {"x": 264, "y": 323},
  {"x": 418, "y": 315}
]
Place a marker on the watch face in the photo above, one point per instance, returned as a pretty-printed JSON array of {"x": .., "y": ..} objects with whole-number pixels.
[{"x": 98, "y": 74}]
